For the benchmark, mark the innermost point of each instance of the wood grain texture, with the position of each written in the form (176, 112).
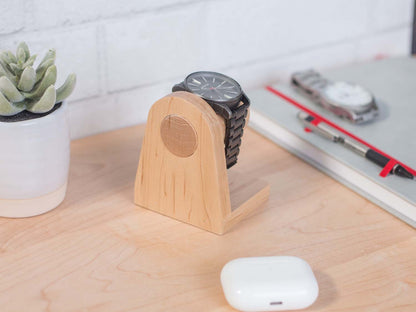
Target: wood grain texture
(99, 252)
(182, 169)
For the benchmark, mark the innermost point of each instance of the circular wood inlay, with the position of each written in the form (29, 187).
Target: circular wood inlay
(178, 135)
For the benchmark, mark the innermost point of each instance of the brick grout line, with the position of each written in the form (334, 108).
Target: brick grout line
(263, 60)
(351, 40)
(123, 16)
(102, 73)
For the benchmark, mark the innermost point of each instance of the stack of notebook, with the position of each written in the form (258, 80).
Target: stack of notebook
(393, 82)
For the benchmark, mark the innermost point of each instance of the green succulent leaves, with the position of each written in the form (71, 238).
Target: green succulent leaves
(47, 80)
(9, 90)
(66, 89)
(47, 61)
(24, 88)
(45, 103)
(9, 109)
(27, 79)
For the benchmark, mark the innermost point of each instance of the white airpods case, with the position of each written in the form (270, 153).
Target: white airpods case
(269, 283)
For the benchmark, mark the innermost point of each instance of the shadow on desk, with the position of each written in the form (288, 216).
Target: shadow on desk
(327, 291)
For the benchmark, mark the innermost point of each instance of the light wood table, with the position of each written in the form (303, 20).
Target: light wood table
(100, 252)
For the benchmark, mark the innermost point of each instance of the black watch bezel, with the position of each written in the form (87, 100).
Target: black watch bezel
(222, 108)
(231, 102)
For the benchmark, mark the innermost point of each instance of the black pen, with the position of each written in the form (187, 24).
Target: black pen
(351, 144)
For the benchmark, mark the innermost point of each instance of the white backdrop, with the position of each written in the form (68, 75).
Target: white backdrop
(128, 53)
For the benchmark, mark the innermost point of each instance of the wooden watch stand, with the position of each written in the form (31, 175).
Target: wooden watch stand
(182, 170)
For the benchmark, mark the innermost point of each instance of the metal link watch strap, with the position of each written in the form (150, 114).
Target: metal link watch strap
(310, 82)
(234, 132)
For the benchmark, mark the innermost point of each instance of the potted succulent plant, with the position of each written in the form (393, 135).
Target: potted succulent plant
(34, 134)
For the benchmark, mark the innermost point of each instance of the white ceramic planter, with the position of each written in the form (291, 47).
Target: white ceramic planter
(34, 164)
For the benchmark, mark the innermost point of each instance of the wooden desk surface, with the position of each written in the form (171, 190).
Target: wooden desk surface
(100, 252)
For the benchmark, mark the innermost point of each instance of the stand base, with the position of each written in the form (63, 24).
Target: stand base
(21, 208)
(246, 194)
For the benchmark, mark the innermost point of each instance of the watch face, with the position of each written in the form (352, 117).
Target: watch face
(347, 94)
(214, 86)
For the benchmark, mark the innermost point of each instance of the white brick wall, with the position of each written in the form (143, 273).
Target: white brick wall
(128, 53)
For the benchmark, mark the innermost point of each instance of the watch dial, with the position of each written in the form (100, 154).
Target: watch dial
(347, 94)
(213, 86)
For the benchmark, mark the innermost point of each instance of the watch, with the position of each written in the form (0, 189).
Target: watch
(228, 100)
(346, 100)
